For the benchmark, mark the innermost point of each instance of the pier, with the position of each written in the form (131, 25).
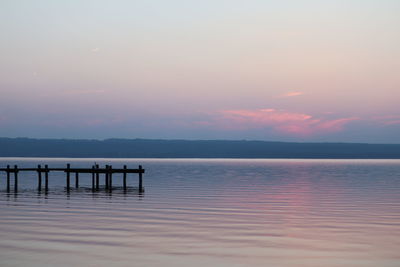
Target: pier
(95, 170)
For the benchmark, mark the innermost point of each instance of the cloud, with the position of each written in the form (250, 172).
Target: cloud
(392, 122)
(290, 123)
(95, 50)
(292, 94)
(2, 118)
(84, 91)
(387, 119)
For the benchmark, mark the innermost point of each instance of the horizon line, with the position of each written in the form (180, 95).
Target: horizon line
(194, 140)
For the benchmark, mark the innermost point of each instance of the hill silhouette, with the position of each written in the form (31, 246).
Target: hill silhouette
(150, 148)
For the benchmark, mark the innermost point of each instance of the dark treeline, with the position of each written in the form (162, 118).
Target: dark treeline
(147, 148)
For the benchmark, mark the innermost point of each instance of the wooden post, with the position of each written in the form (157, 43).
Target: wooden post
(46, 178)
(15, 178)
(140, 178)
(106, 176)
(76, 179)
(8, 178)
(97, 178)
(68, 174)
(124, 177)
(93, 178)
(39, 170)
(110, 176)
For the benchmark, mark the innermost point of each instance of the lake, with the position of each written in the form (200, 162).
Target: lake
(207, 212)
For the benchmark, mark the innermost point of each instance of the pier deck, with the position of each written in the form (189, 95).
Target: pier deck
(95, 170)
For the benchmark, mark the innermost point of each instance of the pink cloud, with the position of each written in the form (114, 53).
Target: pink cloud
(84, 92)
(291, 94)
(2, 118)
(387, 119)
(291, 123)
(107, 121)
(392, 122)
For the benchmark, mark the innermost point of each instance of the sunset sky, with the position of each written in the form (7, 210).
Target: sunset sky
(285, 70)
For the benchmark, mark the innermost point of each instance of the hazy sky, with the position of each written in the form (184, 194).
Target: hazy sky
(300, 70)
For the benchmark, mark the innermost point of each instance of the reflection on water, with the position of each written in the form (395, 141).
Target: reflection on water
(215, 212)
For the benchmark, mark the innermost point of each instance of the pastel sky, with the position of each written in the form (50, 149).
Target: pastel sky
(286, 70)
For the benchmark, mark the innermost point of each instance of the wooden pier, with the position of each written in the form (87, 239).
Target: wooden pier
(95, 170)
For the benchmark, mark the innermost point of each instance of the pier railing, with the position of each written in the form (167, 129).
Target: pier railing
(95, 170)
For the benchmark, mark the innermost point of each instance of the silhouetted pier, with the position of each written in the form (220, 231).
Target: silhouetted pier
(95, 170)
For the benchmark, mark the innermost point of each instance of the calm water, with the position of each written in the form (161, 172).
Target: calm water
(209, 213)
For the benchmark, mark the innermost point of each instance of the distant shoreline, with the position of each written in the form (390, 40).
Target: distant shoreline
(192, 149)
(198, 159)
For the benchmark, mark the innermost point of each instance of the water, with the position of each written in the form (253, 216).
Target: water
(208, 213)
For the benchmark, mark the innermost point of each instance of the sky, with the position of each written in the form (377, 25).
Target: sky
(279, 70)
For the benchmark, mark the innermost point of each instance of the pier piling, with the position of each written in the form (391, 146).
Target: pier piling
(15, 178)
(46, 178)
(110, 176)
(68, 176)
(93, 178)
(124, 178)
(106, 177)
(140, 178)
(8, 178)
(77, 180)
(39, 170)
(97, 177)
